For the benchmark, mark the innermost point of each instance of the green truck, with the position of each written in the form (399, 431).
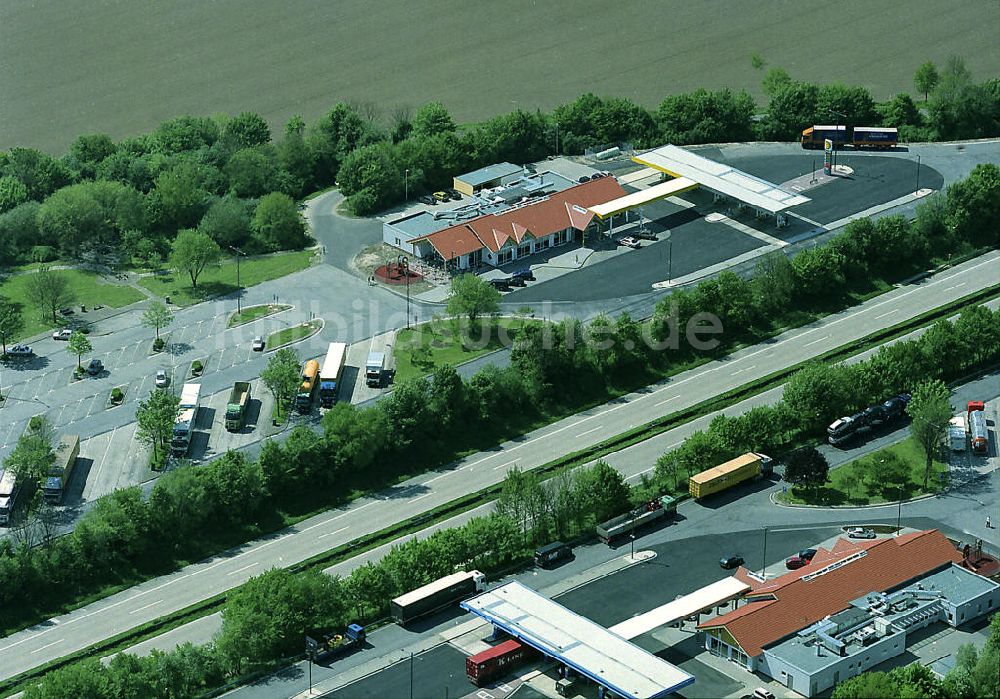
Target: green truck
(236, 408)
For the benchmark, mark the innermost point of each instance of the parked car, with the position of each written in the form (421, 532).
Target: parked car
(645, 235)
(860, 533)
(795, 562)
(731, 562)
(94, 367)
(257, 345)
(583, 178)
(440, 196)
(426, 199)
(629, 242)
(63, 334)
(162, 380)
(525, 274)
(517, 281)
(19, 351)
(455, 194)
(500, 284)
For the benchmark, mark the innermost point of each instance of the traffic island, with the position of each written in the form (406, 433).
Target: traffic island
(252, 313)
(117, 396)
(291, 335)
(197, 369)
(158, 345)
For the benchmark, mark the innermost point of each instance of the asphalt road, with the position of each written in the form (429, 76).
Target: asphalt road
(154, 598)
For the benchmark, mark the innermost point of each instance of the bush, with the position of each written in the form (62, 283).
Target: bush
(158, 344)
(43, 253)
(197, 367)
(117, 395)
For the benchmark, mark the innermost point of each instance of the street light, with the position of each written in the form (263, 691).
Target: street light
(239, 287)
(406, 185)
(918, 176)
(763, 563)
(403, 263)
(631, 554)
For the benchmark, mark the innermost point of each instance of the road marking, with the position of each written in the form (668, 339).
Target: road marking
(509, 463)
(640, 473)
(151, 604)
(664, 402)
(214, 565)
(956, 286)
(342, 529)
(105, 457)
(887, 313)
(240, 570)
(740, 371)
(39, 650)
(437, 478)
(421, 497)
(825, 337)
(588, 431)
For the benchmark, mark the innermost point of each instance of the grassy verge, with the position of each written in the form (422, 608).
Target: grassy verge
(295, 333)
(221, 280)
(472, 500)
(422, 349)
(87, 288)
(252, 313)
(852, 484)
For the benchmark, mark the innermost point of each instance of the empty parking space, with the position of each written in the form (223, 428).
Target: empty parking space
(114, 459)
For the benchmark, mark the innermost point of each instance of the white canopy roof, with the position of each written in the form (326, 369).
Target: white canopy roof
(709, 596)
(644, 196)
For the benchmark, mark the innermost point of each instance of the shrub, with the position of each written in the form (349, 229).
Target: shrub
(117, 395)
(158, 344)
(197, 367)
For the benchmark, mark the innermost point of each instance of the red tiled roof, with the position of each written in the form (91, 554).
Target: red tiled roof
(565, 209)
(779, 607)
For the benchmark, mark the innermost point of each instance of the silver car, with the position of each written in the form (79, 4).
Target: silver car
(162, 380)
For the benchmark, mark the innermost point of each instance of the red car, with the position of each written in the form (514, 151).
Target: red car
(800, 559)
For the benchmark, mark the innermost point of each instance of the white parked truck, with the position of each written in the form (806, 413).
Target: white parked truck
(957, 433)
(186, 419)
(374, 366)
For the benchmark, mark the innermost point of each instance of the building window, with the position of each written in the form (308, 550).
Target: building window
(505, 256)
(524, 250)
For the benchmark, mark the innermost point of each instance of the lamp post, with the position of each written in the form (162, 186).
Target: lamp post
(844, 117)
(763, 563)
(406, 185)
(899, 509)
(557, 138)
(631, 553)
(239, 288)
(918, 176)
(403, 263)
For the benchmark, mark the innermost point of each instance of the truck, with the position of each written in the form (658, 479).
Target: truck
(958, 433)
(325, 647)
(374, 366)
(62, 468)
(749, 466)
(10, 490)
(879, 137)
(636, 519)
(187, 416)
(493, 663)
(842, 430)
(236, 406)
(436, 595)
(331, 373)
(304, 398)
(979, 438)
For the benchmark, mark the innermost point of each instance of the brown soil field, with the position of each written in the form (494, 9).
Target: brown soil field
(69, 67)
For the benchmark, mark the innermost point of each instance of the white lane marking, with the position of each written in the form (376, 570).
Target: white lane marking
(955, 286)
(509, 463)
(664, 402)
(151, 604)
(214, 565)
(240, 570)
(825, 337)
(437, 478)
(594, 429)
(421, 497)
(39, 650)
(342, 529)
(887, 313)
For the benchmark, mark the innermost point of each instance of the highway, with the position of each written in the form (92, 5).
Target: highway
(154, 598)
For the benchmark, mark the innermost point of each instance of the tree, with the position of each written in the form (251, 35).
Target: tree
(931, 411)
(157, 316)
(472, 296)
(774, 80)
(11, 322)
(773, 285)
(432, 119)
(155, 418)
(32, 457)
(79, 345)
(192, 252)
(806, 467)
(247, 130)
(277, 224)
(282, 377)
(227, 222)
(252, 172)
(13, 193)
(49, 289)
(887, 474)
(926, 78)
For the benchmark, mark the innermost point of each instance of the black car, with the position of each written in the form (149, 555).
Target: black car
(95, 367)
(427, 199)
(517, 281)
(525, 274)
(583, 178)
(731, 562)
(454, 194)
(500, 284)
(807, 554)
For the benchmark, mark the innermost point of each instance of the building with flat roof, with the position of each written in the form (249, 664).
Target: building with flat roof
(850, 609)
(486, 177)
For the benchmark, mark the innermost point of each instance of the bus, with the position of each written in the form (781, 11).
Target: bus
(330, 374)
(304, 398)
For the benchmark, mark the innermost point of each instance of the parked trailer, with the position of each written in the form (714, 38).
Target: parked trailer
(718, 478)
(436, 595)
(492, 664)
(187, 416)
(325, 647)
(304, 398)
(958, 433)
(858, 137)
(61, 469)
(636, 519)
(236, 408)
(979, 438)
(10, 489)
(331, 373)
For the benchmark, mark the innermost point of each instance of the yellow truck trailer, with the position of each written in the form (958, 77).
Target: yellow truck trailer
(718, 478)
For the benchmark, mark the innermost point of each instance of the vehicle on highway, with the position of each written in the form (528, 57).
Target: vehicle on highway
(730, 562)
(860, 533)
(440, 196)
(749, 466)
(257, 344)
(63, 334)
(95, 367)
(630, 242)
(426, 199)
(161, 380)
(20, 351)
(436, 595)
(525, 274)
